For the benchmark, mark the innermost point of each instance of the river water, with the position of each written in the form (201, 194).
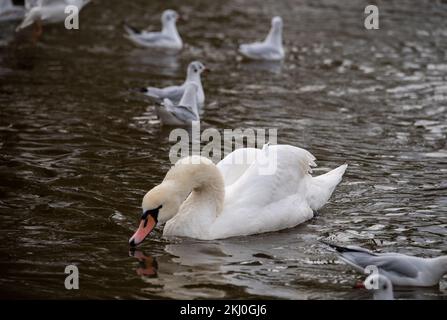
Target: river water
(79, 147)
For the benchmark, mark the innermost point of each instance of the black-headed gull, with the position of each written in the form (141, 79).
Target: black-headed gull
(380, 285)
(9, 11)
(270, 49)
(183, 113)
(167, 38)
(400, 269)
(175, 93)
(48, 11)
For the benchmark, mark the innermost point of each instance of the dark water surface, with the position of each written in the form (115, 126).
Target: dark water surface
(79, 148)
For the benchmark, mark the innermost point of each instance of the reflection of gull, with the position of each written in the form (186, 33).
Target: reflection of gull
(183, 113)
(270, 49)
(8, 11)
(380, 285)
(175, 93)
(402, 270)
(168, 38)
(49, 11)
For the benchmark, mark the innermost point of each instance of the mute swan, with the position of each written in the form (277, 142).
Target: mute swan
(269, 191)
(168, 38)
(401, 269)
(175, 93)
(270, 49)
(182, 114)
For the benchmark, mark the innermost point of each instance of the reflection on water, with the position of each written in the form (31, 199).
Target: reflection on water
(80, 146)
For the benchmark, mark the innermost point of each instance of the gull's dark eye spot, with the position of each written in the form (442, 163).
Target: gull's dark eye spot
(385, 287)
(195, 70)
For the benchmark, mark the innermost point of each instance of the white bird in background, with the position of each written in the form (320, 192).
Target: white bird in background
(44, 12)
(168, 38)
(270, 49)
(380, 285)
(183, 113)
(400, 269)
(9, 11)
(175, 93)
(250, 191)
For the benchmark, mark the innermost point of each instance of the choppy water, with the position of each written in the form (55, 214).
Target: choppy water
(79, 148)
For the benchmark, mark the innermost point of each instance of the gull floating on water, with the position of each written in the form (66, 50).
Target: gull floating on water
(175, 93)
(400, 269)
(48, 11)
(183, 113)
(167, 38)
(380, 285)
(270, 49)
(8, 11)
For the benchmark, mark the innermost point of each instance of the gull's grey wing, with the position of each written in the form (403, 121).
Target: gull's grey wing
(154, 37)
(173, 93)
(397, 265)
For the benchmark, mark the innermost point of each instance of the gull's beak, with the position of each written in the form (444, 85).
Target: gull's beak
(359, 285)
(146, 226)
(206, 70)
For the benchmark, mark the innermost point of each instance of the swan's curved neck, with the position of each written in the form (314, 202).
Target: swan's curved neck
(199, 177)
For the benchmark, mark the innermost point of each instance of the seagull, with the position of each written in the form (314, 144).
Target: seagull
(183, 113)
(9, 12)
(168, 38)
(270, 49)
(381, 286)
(175, 93)
(400, 269)
(48, 11)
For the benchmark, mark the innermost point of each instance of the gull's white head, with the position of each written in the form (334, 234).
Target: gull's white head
(194, 71)
(277, 22)
(381, 286)
(169, 17)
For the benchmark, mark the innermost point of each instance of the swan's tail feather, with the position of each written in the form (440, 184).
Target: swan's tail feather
(322, 187)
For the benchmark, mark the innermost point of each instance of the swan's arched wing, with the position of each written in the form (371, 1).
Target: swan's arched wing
(234, 165)
(283, 171)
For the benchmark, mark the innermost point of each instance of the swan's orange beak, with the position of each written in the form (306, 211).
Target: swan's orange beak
(145, 227)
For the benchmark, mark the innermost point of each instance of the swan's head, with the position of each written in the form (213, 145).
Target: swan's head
(381, 286)
(159, 205)
(195, 69)
(169, 17)
(277, 22)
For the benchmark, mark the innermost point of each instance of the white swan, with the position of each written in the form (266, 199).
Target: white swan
(167, 38)
(184, 113)
(270, 49)
(175, 93)
(269, 191)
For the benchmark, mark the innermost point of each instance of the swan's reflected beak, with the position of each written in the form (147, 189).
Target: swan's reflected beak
(145, 227)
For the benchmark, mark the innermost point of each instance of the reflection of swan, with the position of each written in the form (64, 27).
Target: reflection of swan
(270, 49)
(168, 38)
(250, 191)
(147, 264)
